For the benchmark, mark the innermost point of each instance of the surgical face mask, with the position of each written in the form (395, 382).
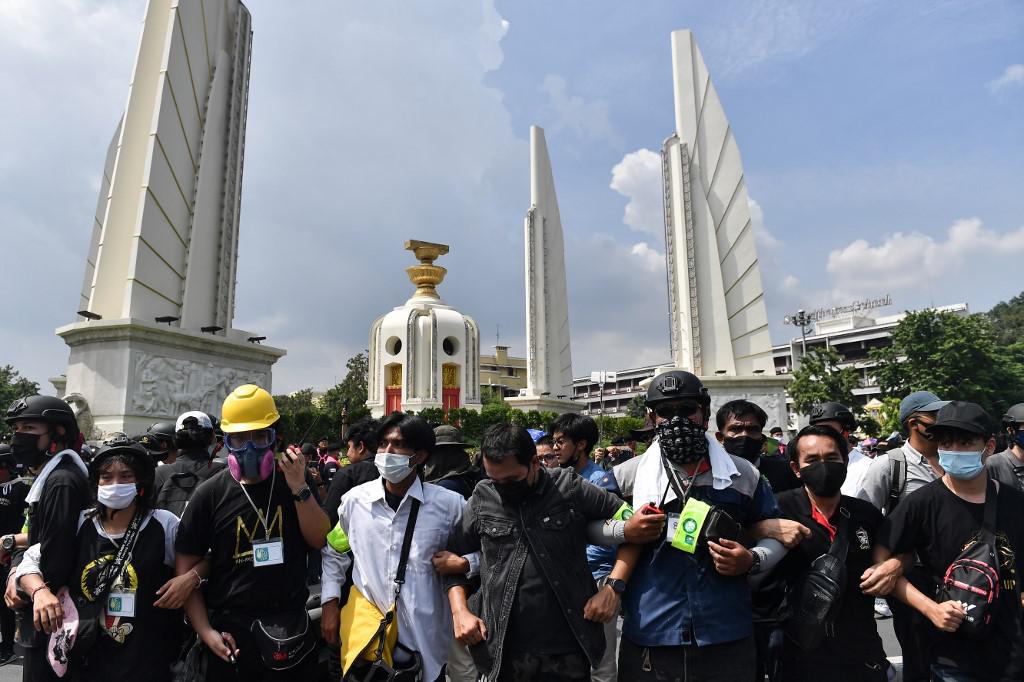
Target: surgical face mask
(746, 447)
(392, 466)
(26, 449)
(962, 466)
(682, 441)
(824, 479)
(513, 493)
(251, 463)
(116, 495)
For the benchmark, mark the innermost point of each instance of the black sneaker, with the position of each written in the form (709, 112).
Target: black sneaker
(7, 656)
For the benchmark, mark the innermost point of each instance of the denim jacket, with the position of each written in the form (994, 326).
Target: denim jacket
(551, 522)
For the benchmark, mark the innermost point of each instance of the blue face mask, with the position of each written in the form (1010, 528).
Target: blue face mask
(1019, 439)
(962, 466)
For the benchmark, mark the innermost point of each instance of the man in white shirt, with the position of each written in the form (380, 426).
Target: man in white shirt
(372, 519)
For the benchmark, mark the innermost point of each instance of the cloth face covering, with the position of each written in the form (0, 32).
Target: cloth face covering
(746, 447)
(681, 440)
(824, 478)
(25, 447)
(514, 492)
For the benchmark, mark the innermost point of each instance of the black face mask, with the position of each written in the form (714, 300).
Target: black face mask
(681, 440)
(571, 464)
(746, 447)
(824, 478)
(25, 448)
(513, 493)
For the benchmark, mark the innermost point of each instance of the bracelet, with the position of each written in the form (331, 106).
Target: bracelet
(199, 578)
(32, 596)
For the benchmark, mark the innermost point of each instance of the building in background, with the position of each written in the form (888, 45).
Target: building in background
(501, 374)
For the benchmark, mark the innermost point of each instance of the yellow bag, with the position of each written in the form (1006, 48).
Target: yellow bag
(361, 624)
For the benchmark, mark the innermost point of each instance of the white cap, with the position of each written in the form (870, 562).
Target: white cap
(201, 417)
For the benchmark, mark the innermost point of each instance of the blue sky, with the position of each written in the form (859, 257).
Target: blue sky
(882, 145)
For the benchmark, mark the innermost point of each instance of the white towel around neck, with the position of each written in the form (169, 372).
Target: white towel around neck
(651, 479)
(36, 491)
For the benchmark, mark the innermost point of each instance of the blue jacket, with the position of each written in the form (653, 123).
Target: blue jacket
(676, 598)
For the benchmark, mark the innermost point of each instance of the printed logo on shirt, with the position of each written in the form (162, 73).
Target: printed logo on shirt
(244, 536)
(122, 592)
(862, 538)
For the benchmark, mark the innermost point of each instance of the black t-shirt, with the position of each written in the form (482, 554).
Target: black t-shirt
(53, 519)
(536, 624)
(856, 639)
(12, 506)
(779, 474)
(175, 483)
(346, 479)
(220, 519)
(142, 646)
(937, 524)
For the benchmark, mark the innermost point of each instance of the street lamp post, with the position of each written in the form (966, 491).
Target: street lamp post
(804, 321)
(600, 378)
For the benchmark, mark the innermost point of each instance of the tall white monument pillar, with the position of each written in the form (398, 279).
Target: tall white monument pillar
(549, 356)
(719, 324)
(154, 336)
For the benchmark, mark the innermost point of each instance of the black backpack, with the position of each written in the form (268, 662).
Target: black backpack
(179, 487)
(973, 578)
(814, 602)
(897, 478)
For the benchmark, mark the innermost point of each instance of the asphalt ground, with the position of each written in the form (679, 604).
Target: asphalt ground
(12, 671)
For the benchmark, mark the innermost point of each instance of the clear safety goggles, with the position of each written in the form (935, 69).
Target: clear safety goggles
(259, 438)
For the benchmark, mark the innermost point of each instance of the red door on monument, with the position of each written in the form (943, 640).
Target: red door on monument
(449, 388)
(393, 390)
(449, 400)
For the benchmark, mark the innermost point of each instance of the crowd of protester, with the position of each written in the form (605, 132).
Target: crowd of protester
(702, 547)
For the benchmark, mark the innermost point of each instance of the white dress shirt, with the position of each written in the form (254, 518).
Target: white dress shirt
(375, 533)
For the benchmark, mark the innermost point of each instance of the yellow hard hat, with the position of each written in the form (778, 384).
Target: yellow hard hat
(247, 408)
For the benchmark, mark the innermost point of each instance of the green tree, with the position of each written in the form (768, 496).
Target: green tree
(351, 392)
(1007, 320)
(12, 387)
(955, 357)
(820, 379)
(637, 406)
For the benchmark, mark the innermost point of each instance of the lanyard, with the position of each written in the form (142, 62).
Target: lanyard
(270, 501)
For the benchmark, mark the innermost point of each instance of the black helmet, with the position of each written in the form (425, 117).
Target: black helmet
(122, 446)
(1014, 415)
(158, 438)
(827, 412)
(677, 384)
(45, 408)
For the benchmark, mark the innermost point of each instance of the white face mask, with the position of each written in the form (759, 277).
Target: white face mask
(392, 466)
(116, 495)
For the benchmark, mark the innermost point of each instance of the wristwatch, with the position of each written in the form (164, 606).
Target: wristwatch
(618, 586)
(7, 543)
(755, 566)
(304, 494)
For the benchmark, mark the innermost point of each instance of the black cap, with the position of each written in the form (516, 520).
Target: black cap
(964, 416)
(827, 412)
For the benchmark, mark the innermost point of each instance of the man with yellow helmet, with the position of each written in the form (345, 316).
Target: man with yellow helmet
(257, 520)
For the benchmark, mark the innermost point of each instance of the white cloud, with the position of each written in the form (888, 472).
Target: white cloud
(1013, 77)
(651, 260)
(903, 260)
(638, 177)
(587, 119)
(766, 241)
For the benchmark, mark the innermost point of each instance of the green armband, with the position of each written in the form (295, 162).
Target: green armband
(338, 539)
(625, 511)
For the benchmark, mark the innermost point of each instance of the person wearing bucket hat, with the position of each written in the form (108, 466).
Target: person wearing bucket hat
(255, 521)
(962, 521)
(124, 591)
(889, 480)
(449, 465)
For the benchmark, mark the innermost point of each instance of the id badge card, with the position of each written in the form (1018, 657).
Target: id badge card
(121, 604)
(683, 530)
(267, 552)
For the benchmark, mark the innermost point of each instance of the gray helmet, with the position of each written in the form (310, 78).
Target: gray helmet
(675, 385)
(1014, 415)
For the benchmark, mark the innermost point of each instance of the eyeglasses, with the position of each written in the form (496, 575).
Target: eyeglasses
(560, 442)
(259, 438)
(547, 458)
(683, 409)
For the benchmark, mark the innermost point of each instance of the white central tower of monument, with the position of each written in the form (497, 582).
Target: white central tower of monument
(157, 302)
(719, 323)
(424, 354)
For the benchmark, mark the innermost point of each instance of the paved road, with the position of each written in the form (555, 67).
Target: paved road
(12, 672)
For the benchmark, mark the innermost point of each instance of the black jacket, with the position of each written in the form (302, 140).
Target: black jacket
(551, 523)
